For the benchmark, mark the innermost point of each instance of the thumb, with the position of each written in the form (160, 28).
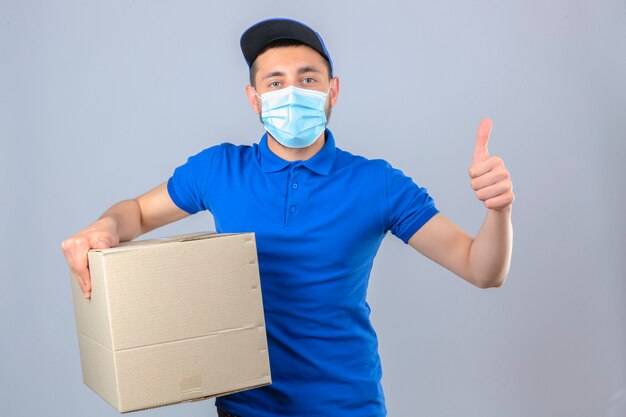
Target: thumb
(102, 244)
(482, 137)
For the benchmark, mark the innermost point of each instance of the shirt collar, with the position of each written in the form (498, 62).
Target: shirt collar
(320, 163)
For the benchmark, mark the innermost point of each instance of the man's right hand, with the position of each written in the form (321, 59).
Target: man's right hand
(124, 221)
(100, 235)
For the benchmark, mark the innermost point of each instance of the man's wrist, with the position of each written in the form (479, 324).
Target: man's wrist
(505, 211)
(107, 221)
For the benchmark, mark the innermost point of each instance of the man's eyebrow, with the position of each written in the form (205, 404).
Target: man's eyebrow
(274, 74)
(308, 69)
(302, 70)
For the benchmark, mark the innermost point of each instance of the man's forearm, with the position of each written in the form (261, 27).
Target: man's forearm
(490, 253)
(123, 219)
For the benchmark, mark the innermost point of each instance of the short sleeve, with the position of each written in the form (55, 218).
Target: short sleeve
(187, 186)
(409, 206)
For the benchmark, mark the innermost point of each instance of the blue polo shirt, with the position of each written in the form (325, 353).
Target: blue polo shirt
(318, 226)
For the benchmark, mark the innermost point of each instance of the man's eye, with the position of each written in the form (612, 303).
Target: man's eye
(308, 80)
(274, 84)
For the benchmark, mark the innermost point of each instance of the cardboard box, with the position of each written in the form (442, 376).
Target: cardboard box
(172, 320)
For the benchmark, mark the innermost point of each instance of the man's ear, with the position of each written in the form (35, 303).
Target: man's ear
(253, 99)
(334, 91)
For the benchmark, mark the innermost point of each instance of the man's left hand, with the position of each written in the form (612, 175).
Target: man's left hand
(489, 177)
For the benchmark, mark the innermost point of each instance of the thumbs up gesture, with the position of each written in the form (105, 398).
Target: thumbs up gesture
(489, 177)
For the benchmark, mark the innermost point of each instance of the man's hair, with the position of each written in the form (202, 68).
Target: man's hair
(282, 43)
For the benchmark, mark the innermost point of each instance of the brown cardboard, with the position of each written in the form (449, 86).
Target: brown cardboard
(172, 320)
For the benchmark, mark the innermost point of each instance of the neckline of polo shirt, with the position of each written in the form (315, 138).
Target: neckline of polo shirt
(270, 162)
(320, 163)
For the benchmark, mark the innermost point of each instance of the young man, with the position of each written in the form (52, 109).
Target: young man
(319, 214)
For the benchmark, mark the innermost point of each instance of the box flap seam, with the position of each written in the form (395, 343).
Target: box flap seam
(215, 333)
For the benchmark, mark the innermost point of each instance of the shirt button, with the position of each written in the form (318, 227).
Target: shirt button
(292, 209)
(294, 185)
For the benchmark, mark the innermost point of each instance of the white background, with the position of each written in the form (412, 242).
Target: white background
(101, 100)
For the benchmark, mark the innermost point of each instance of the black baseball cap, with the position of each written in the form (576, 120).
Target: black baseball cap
(260, 34)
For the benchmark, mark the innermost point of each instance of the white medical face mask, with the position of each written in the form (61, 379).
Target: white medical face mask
(294, 116)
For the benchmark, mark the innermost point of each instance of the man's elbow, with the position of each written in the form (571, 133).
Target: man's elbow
(495, 282)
